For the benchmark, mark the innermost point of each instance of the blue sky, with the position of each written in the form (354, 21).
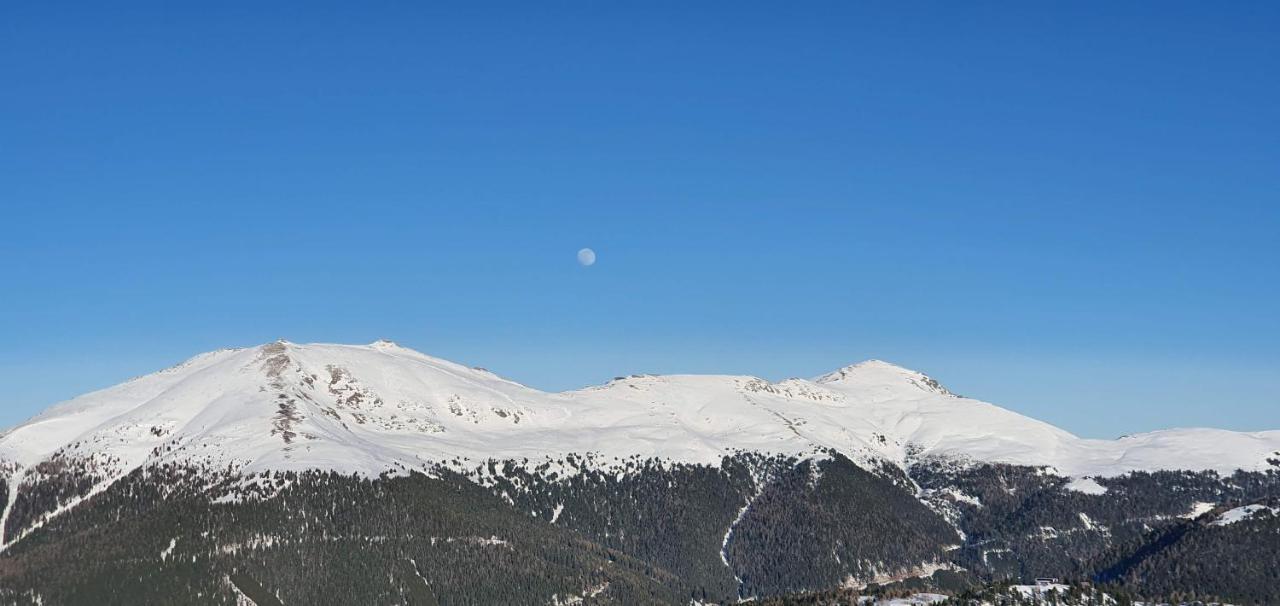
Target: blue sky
(1072, 211)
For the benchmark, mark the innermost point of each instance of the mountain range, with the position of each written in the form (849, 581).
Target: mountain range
(648, 488)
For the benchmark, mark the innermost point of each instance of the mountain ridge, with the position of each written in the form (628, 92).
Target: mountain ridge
(394, 407)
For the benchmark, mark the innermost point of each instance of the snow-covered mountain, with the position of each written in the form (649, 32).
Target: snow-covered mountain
(253, 474)
(382, 407)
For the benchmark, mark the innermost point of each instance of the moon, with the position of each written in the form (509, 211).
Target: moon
(586, 257)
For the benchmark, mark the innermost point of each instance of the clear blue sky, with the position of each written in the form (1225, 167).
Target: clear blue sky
(1070, 210)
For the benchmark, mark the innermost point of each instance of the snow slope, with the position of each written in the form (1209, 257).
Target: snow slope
(381, 407)
(1243, 513)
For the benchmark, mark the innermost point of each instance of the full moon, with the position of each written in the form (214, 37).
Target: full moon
(586, 257)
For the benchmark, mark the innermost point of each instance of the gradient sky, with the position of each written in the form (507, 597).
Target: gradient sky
(1072, 210)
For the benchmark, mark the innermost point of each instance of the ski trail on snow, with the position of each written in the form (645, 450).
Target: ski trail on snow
(8, 508)
(728, 535)
(61, 509)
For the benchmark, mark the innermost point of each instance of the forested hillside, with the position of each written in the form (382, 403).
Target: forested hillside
(646, 532)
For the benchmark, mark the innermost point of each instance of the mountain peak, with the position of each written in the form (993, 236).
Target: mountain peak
(862, 367)
(879, 372)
